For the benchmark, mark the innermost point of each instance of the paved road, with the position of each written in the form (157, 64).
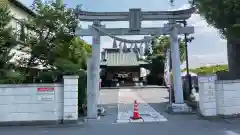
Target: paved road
(176, 124)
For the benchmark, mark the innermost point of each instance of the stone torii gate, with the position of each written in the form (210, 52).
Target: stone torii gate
(135, 17)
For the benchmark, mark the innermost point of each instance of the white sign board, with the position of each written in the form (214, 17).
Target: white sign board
(45, 93)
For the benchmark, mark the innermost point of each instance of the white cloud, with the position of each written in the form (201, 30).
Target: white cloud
(208, 40)
(206, 60)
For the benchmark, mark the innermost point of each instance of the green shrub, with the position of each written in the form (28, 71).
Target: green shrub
(12, 77)
(82, 89)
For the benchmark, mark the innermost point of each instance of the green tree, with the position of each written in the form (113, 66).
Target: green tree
(74, 57)
(157, 57)
(7, 44)
(224, 15)
(162, 43)
(209, 69)
(52, 43)
(53, 27)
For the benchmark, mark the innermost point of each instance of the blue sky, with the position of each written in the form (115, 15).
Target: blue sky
(207, 48)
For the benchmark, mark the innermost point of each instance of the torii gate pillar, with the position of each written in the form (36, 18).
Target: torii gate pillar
(93, 76)
(177, 80)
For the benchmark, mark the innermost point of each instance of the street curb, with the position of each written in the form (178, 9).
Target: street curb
(134, 87)
(49, 124)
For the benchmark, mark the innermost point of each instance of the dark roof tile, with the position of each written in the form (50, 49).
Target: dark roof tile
(23, 7)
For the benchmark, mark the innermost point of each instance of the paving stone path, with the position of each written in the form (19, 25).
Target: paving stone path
(126, 98)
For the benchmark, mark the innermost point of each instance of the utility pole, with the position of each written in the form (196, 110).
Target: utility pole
(189, 78)
(187, 64)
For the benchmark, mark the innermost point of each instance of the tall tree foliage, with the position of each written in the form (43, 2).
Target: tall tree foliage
(54, 25)
(224, 15)
(162, 43)
(157, 58)
(52, 39)
(7, 44)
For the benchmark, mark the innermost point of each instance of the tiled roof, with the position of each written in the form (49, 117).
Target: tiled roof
(115, 57)
(22, 6)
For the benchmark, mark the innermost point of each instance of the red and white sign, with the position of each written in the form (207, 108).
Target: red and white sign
(43, 89)
(45, 93)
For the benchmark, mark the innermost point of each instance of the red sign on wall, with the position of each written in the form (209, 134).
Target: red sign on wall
(45, 89)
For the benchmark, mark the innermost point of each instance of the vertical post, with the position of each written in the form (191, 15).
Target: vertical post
(91, 93)
(96, 58)
(177, 80)
(70, 98)
(187, 64)
(93, 74)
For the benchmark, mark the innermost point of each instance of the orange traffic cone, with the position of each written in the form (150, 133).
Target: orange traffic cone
(136, 115)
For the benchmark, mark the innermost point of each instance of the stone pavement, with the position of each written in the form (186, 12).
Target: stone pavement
(126, 98)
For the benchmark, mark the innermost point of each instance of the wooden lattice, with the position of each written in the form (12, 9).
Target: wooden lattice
(3, 3)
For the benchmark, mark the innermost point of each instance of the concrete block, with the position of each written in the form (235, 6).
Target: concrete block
(180, 108)
(71, 95)
(21, 99)
(70, 88)
(45, 116)
(123, 121)
(209, 112)
(68, 102)
(231, 110)
(5, 91)
(231, 86)
(148, 119)
(206, 99)
(159, 119)
(218, 85)
(6, 109)
(69, 109)
(231, 93)
(132, 121)
(70, 116)
(209, 105)
(230, 102)
(20, 116)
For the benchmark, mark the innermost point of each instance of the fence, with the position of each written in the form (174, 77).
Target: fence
(218, 97)
(39, 103)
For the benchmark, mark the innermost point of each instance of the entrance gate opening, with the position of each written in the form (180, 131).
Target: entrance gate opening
(134, 17)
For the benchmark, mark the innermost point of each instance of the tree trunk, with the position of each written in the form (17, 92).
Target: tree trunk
(233, 50)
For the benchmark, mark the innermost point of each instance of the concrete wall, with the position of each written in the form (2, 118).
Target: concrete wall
(218, 97)
(39, 102)
(207, 95)
(228, 97)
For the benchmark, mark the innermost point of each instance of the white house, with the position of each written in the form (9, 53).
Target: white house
(19, 12)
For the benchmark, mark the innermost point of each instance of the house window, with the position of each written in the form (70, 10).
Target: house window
(19, 29)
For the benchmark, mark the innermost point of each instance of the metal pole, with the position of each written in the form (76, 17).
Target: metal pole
(187, 65)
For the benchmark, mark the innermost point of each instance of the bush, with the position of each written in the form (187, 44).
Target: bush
(11, 77)
(82, 89)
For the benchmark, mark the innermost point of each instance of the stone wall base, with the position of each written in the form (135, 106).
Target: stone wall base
(218, 117)
(39, 123)
(179, 109)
